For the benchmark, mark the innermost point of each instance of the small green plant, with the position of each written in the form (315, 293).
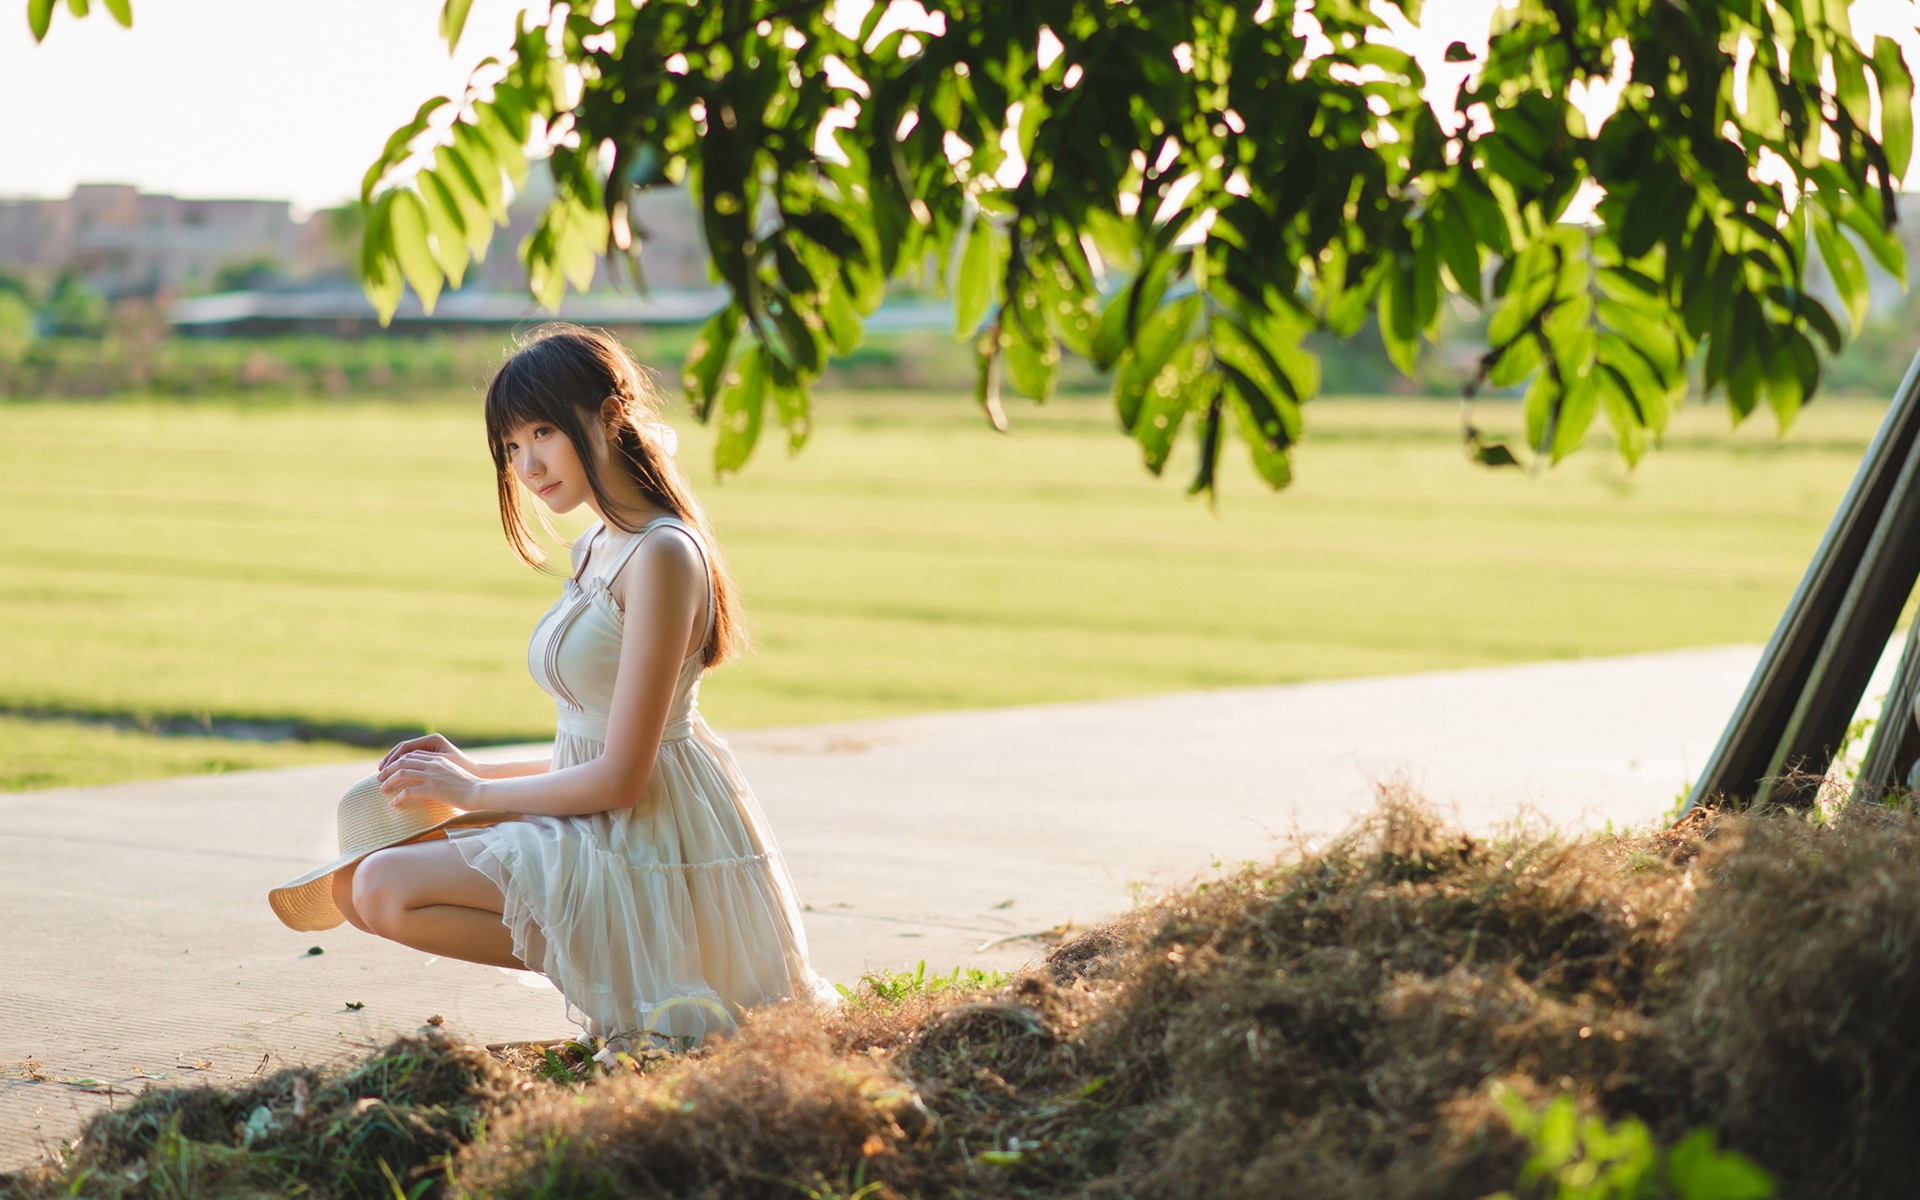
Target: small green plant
(567, 1062)
(1678, 806)
(849, 1188)
(1585, 1158)
(895, 986)
(1845, 762)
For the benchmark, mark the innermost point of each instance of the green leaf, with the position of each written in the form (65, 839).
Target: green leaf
(1896, 104)
(1073, 313)
(1447, 224)
(1516, 361)
(1556, 1137)
(742, 406)
(978, 284)
(1814, 313)
(1426, 287)
(1763, 102)
(706, 359)
(1866, 222)
(795, 407)
(1262, 426)
(478, 168)
(1206, 472)
(453, 21)
(1494, 454)
(395, 151)
(39, 18)
(379, 273)
(794, 274)
(1745, 376)
(1158, 337)
(466, 192)
(1278, 339)
(447, 225)
(1850, 82)
(1482, 213)
(1033, 363)
(802, 340)
(506, 141)
(1629, 433)
(410, 248)
(1399, 313)
(122, 12)
(1700, 1171)
(1530, 290)
(844, 326)
(1126, 313)
(1180, 384)
(1844, 265)
(78, 8)
(1557, 416)
(563, 248)
(1577, 411)
(1792, 372)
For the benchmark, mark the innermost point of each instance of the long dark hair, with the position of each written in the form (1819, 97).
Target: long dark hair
(562, 375)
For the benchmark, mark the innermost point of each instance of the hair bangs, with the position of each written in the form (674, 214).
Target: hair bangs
(520, 394)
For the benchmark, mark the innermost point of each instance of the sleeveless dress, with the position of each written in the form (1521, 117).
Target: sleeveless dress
(669, 916)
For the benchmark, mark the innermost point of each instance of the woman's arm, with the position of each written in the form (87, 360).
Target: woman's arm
(517, 769)
(436, 743)
(662, 591)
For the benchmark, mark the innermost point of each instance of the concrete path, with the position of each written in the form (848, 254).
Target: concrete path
(137, 943)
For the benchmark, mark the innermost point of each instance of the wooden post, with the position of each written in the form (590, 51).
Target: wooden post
(1895, 744)
(1813, 672)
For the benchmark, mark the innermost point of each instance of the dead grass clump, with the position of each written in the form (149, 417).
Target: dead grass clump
(1799, 993)
(1329, 1029)
(771, 1112)
(391, 1120)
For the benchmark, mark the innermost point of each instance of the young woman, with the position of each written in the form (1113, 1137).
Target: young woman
(641, 878)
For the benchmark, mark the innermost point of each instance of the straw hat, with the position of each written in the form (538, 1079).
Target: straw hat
(367, 821)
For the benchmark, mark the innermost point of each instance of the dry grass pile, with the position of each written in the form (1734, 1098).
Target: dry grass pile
(1338, 1025)
(391, 1123)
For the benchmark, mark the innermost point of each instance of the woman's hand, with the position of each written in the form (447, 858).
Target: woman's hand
(434, 743)
(420, 775)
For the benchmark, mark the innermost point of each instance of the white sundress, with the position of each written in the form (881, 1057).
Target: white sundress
(669, 916)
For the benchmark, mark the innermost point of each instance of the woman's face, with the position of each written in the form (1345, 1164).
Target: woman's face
(548, 465)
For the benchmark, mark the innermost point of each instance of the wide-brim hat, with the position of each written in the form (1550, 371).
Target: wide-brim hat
(367, 820)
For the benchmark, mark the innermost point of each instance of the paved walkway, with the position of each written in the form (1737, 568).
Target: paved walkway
(138, 944)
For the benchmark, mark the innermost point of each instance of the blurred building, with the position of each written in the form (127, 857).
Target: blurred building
(126, 242)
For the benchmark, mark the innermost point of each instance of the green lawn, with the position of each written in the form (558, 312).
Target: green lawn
(342, 562)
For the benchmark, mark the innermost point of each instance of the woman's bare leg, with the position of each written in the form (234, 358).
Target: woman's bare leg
(425, 896)
(343, 897)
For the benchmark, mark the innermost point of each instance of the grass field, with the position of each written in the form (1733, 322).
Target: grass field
(340, 562)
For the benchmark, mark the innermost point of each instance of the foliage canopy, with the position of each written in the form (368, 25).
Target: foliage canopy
(1182, 192)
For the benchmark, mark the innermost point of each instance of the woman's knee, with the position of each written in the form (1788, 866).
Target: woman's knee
(379, 893)
(343, 897)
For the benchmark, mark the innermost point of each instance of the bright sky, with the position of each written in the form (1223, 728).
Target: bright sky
(293, 98)
(225, 98)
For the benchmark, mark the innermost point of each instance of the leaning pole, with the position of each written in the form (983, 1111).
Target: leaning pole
(1794, 714)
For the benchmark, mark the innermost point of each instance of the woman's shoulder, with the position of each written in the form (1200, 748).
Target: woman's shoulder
(672, 545)
(664, 548)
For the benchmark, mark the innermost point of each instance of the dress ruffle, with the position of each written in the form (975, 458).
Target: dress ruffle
(669, 917)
